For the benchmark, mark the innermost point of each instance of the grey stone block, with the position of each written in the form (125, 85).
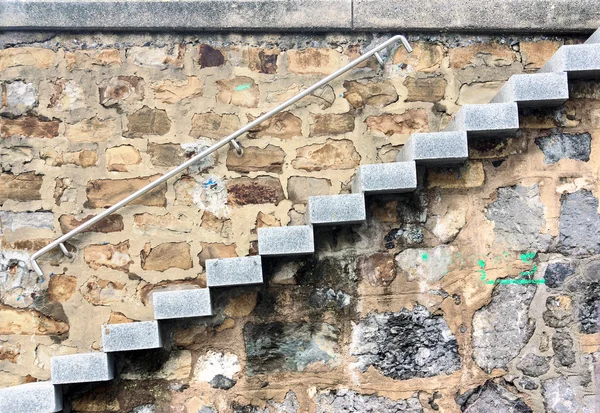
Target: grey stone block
(437, 148)
(224, 272)
(533, 90)
(476, 16)
(294, 240)
(82, 368)
(487, 120)
(336, 209)
(181, 14)
(182, 303)
(385, 178)
(594, 38)
(579, 61)
(131, 336)
(39, 397)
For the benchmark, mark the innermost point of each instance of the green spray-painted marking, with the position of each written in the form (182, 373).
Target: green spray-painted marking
(481, 263)
(425, 256)
(243, 87)
(528, 256)
(483, 273)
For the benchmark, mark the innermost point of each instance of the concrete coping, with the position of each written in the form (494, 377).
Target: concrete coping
(302, 15)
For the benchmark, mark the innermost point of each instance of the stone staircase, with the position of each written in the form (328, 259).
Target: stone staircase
(498, 118)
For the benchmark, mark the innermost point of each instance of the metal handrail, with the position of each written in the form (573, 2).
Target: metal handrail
(59, 242)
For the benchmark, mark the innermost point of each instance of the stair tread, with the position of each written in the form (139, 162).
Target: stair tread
(336, 209)
(391, 177)
(486, 120)
(291, 240)
(182, 303)
(38, 397)
(536, 89)
(435, 148)
(224, 272)
(82, 368)
(131, 336)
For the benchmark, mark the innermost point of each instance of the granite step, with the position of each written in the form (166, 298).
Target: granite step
(579, 61)
(82, 368)
(226, 272)
(131, 336)
(535, 90)
(486, 120)
(437, 148)
(182, 303)
(293, 240)
(336, 209)
(38, 397)
(385, 178)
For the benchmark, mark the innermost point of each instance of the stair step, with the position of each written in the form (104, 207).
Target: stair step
(82, 368)
(293, 240)
(336, 209)
(131, 336)
(534, 90)
(225, 272)
(38, 397)
(385, 178)
(594, 38)
(182, 303)
(487, 120)
(579, 61)
(438, 148)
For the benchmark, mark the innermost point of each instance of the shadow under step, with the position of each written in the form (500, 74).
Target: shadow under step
(293, 240)
(82, 368)
(436, 148)
(39, 397)
(140, 335)
(182, 303)
(226, 272)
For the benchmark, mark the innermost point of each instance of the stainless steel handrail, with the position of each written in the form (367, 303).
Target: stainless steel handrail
(231, 138)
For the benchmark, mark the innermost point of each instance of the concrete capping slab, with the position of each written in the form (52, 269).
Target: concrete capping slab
(563, 16)
(200, 15)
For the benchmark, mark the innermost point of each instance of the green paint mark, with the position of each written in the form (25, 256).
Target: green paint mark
(481, 263)
(425, 256)
(528, 257)
(243, 87)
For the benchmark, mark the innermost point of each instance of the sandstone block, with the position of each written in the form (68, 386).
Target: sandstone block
(259, 190)
(166, 255)
(29, 127)
(23, 187)
(331, 124)
(239, 91)
(147, 121)
(118, 89)
(212, 125)
(333, 154)
(313, 61)
(103, 193)
(119, 158)
(301, 187)
(269, 159)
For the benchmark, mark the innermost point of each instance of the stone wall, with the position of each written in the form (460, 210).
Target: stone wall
(479, 292)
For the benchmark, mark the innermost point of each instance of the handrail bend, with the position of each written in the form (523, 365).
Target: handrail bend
(59, 242)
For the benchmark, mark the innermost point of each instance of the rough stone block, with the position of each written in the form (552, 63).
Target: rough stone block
(386, 178)
(224, 272)
(336, 209)
(182, 303)
(131, 336)
(487, 120)
(538, 89)
(579, 61)
(294, 240)
(82, 368)
(439, 148)
(594, 38)
(39, 397)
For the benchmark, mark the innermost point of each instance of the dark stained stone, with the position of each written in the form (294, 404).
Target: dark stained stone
(557, 272)
(534, 365)
(209, 56)
(560, 145)
(147, 121)
(491, 398)
(349, 401)
(259, 190)
(222, 382)
(579, 224)
(562, 344)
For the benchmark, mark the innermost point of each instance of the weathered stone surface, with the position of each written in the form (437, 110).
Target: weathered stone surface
(68, 95)
(209, 57)
(165, 256)
(535, 54)
(279, 347)
(112, 223)
(378, 94)
(377, 269)
(430, 264)
(147, 121)
(91, 130)
(411, 121)
(239, 91)
(263, 60)
(19, 98)
(425, 89)
(103, 193)
(171, 222)
(29, 127)
(559, 396)
(488, 54)
(173, 91)
(518, 215)
(119, 89)
(557, 272)
(333, 154)
(212, 125)
(425, 57)
(528, 384)
(119, 158)
(104, 292)
(267, 159)
(502, 328)
(158, 57)
(215, 250)
(299, 188)
(405, 345)
(221, 382)
(344, 400)
(558, 311)
(313, 61)
(562, 345)
(560, 145)
(478, 93)
(534, 365)
(90, 59)
(259, 190)
(61, 288)
(579, 224)
(12, 221)
(213, 364)
(331, 124)
(492, 398)
(165, 154)
(23, 187)
(283, 125)
(469, 175)
(84, 158)
(26, 56)
(112, 256)
(29, 322)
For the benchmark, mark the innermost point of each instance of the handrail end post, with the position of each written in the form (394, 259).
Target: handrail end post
(36, 267)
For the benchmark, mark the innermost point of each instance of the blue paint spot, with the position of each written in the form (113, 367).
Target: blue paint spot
(243, 87)
(19, 297)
